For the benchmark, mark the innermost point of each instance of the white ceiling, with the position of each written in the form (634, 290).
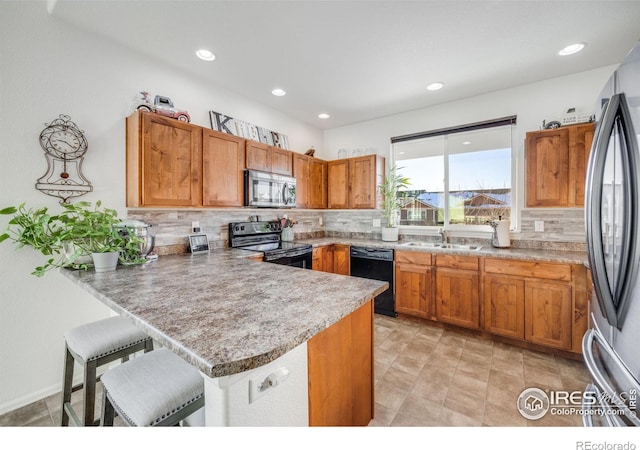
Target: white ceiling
(359, 60)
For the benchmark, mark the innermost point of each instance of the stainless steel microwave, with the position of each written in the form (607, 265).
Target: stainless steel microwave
(268, 190)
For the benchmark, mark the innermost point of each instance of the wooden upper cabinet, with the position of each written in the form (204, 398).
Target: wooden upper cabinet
(311, 181)
(281, 161)
(258, 156)
(338, 184)
(164, 161)
(556, 162)
(266, 158)
(317, 188)
(353, 182)
(365, 174)
(223, 161)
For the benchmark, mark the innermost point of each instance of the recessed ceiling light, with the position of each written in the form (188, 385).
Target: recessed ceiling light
(205, 55)
(466, 143)
(324, 116)
(571, 49)
(278, 92)
(435, 86)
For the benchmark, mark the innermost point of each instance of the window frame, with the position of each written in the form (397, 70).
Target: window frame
(467, 230)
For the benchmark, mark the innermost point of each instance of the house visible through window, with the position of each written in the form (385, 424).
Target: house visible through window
(459, 176)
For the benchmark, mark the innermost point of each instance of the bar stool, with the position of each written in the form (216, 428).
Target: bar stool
(93, 345)
(155, 389)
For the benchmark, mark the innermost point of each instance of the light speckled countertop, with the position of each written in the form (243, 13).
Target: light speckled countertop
(485, 251)
(224, 313)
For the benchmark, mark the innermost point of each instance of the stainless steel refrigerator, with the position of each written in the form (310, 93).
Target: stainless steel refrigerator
(611, 347)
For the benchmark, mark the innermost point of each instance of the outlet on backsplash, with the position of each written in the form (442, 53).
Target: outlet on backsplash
(376, 223)
(539, 226)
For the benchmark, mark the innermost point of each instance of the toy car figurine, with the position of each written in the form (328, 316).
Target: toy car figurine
(163, 106)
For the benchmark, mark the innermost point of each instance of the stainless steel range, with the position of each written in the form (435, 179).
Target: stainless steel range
(265, 237)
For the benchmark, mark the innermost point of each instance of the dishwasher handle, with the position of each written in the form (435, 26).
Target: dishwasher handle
(372, 253)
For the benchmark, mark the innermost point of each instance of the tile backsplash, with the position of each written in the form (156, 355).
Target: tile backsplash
(563, 228)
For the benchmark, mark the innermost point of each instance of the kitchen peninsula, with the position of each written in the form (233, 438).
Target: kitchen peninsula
(239, 321)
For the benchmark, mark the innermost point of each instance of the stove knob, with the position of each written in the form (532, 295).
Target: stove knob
(242, 227)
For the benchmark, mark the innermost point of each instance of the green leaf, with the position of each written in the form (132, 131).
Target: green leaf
(9, 210)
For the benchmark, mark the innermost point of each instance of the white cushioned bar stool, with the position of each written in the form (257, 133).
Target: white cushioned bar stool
(93, 345)
(155, 389)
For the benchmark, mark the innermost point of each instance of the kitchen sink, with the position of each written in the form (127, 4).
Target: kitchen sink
(461, 246)
(423, 244)
(443, 246)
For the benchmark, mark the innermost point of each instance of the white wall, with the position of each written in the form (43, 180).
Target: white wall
(532, 103)
(46, 69)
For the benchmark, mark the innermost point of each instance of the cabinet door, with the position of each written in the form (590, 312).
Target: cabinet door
(548, 313)
(317, 259)
(338, 184)
(504, 306)
(341, 259)
(171, 162)
(281, 161)
(223, 159)
(258, 156)
(580, 140)
(301, 172)
(414, 287)
(457, 300)
(317, 187)
(363, 182)
(547, 171)
(328, 258)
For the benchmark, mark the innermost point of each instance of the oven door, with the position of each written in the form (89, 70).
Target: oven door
(266, 190)
(303, 260)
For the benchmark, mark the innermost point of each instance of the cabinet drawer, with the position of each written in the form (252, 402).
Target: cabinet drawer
(420, 258)
(457, 262)
(535, 269)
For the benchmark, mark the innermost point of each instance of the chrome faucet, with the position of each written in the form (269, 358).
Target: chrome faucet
(443, 235)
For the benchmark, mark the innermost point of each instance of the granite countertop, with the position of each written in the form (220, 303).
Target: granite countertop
(224, 313)
(486, 251)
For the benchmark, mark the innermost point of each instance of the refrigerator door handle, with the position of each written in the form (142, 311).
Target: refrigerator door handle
(613, 299)
(601, 383)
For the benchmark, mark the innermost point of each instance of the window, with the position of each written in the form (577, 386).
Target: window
(459, 176)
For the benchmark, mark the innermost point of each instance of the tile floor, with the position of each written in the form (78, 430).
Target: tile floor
(425, 376)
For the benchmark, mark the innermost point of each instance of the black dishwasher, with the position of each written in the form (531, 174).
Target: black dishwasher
(376, 264)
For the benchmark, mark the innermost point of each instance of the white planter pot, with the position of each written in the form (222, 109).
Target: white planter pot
(105, 262)
(389, 234)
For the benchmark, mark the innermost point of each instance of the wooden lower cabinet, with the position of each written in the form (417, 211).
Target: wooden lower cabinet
(342, 259)
(334, 258)
(504, 306)
(340, 361)
(414, 284)
(548, 313)
(457, 297)
(542, 303)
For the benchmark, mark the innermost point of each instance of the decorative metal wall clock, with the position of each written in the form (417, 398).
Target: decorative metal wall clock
(64, 146)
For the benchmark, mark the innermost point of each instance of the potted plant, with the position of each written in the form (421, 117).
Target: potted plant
(81, 227)
(391, 203)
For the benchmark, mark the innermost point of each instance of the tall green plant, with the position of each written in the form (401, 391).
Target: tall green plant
(389, 188)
